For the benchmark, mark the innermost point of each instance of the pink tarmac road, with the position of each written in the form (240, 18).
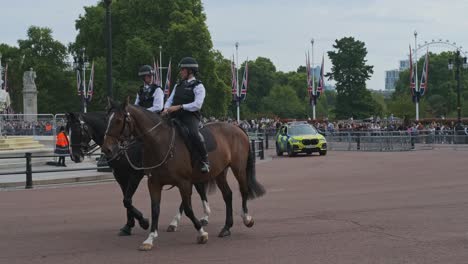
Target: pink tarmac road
(346, 207)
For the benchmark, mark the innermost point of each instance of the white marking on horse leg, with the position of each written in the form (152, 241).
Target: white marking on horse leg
(151, 237)
(246, 218)
(202, 232)
(175, 222)
(206, 210)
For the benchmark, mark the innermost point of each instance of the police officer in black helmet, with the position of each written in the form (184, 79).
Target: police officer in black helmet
(185, 103)
(150, 95)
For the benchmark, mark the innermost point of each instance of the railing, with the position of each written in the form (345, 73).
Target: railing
(29, 172)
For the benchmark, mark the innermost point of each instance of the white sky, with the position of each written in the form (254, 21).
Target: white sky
(282, 29)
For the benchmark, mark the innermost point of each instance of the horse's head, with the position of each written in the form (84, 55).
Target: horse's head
(80, 136)
(119, 128)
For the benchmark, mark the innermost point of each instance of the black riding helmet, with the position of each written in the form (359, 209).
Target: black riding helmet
(189, 63)
(145, 70)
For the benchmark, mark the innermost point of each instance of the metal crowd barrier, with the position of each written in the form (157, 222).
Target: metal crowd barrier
(29, 172)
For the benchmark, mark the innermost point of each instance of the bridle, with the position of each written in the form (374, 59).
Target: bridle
(84, 147)
(126, 142)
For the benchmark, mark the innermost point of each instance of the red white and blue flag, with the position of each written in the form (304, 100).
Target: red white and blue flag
(234, 80)
(5, 83)
(156, 77)
(310, 91)
(78, 82)
(412, 75)
(245, 80)
(91, 84)
(167, 86)
(321, 82)
(423, 84)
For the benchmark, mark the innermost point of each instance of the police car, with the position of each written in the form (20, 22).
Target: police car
(300, 137)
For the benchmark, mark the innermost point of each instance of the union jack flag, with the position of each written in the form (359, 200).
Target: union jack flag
(167, 87)
(156, 77)
(321, 83)
(245, 81)
(234, 80)
(423, 84)
(91, 84)
(412, 75)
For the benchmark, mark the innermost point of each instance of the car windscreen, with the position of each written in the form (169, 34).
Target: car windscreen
(302, 130)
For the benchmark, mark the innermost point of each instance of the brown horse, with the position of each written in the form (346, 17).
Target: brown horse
(167, 161)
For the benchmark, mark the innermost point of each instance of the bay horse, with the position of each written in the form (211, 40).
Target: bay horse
(84, 127)
(167, 161)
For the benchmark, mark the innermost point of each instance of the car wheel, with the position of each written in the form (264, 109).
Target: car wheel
(323, 152)
(290, 151)
(278, 150)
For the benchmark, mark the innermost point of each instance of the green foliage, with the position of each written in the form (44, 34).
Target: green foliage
(350, 72)
(139, 28)
(47, 58)
(441, 97)
(283, 101)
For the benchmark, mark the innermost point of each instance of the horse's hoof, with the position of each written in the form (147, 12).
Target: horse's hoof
(250, 223)
(224, 233)
(144, 224)
(145, 247)
(125, 231)
(171, 228)
(203, 222)
(202, 239)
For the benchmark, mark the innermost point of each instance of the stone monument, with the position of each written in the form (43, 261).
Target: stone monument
(29, 96)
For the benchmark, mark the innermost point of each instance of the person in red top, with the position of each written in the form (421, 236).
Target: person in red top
(61, 146)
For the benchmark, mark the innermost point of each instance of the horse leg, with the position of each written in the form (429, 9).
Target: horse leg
(185, 190)
(176, 220)
(223, 185)
(155, 194)
(126, 230)
(133, 182)
(241, 177)
(200, 187)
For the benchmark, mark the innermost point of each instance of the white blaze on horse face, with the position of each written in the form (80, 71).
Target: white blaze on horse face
(151, 237)
(109, 123)
(175, 222)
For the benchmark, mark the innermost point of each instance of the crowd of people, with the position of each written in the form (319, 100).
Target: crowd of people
(21, 127)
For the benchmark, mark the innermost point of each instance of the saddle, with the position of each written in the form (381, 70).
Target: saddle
(210, 142)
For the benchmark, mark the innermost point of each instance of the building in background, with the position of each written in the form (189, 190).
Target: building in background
(392, 76)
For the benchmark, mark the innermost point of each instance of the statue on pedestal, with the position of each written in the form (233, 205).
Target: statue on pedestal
(29, 95)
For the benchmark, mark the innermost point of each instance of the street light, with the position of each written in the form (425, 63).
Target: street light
(458, 62)
(109, 48)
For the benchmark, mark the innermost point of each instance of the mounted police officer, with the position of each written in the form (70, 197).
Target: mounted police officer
(185, 103)
(150, 95)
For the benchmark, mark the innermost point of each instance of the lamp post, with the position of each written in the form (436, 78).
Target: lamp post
(109, 48)
(416, 74)
(237, 83)
(458, 62)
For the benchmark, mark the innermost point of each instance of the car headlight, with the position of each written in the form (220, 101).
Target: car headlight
(293, 140)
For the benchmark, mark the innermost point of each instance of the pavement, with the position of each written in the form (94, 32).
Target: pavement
(346, 207)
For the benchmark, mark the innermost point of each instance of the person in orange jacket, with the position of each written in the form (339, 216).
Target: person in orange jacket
(61, 146)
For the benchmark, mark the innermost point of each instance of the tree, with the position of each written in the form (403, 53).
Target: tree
(283, 101)
(139, 28)
(54, 80)
(350, 72)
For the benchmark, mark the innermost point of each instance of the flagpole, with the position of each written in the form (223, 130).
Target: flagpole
(237, 83)
(313, 81)
(416, 73)
(160, 64)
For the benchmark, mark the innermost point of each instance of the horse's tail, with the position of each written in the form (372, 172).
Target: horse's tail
(255, 189)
